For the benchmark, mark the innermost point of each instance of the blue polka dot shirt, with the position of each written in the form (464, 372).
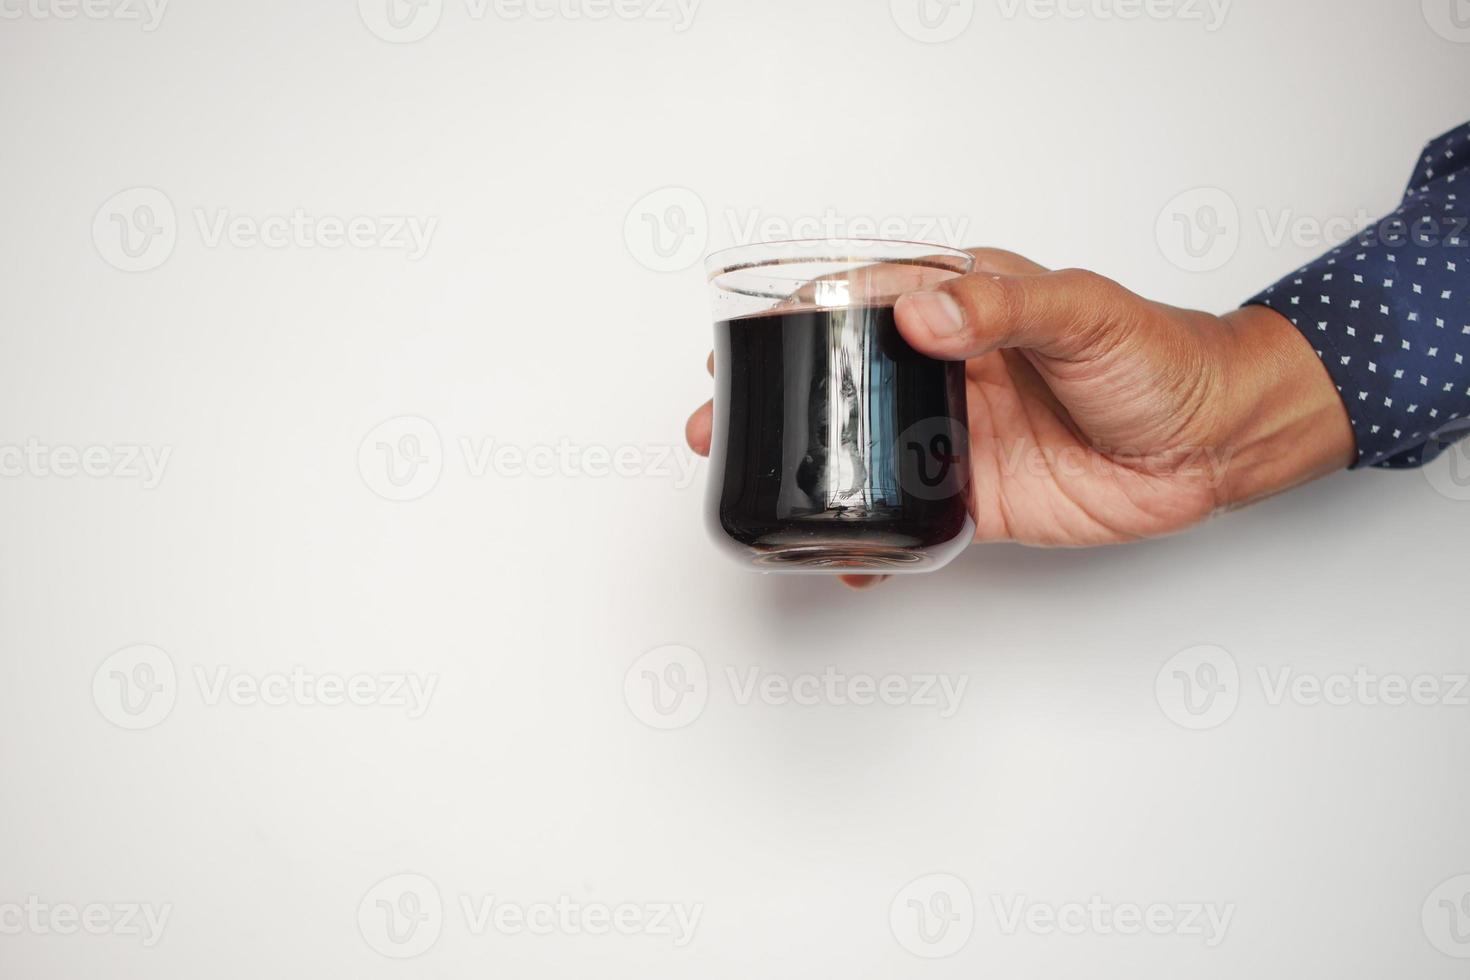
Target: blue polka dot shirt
(1389, 315)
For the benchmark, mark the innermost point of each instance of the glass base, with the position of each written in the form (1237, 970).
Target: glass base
(838, 559)
(877, 554)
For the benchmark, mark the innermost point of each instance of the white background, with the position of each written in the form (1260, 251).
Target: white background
(534, 320)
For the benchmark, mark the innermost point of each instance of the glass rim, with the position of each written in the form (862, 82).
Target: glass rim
(879, 251)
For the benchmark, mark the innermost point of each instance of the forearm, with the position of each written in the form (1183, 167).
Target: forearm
(1288, 424)
(1362, 352)
(1386, 313)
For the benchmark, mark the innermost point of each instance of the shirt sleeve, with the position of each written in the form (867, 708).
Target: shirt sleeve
(1389, 315)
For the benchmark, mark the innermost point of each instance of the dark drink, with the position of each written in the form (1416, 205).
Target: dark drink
(836, 445)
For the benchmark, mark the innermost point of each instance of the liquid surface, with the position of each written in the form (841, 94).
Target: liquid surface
(837, 446)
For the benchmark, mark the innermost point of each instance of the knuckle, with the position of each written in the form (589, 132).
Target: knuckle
(1004, 260)
(1102, 302)
(1096, 287)
(987, 256)
(987, 301)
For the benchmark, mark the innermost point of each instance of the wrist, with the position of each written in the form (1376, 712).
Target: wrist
(1288, 422)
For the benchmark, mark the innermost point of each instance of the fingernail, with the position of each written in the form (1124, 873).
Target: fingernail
(939, 313)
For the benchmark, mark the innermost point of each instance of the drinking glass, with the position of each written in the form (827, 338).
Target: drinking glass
(837, 448)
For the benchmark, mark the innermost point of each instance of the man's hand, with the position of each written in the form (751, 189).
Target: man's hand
(1097, 416)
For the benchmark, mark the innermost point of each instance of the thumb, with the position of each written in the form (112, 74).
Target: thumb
(1064, 315)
